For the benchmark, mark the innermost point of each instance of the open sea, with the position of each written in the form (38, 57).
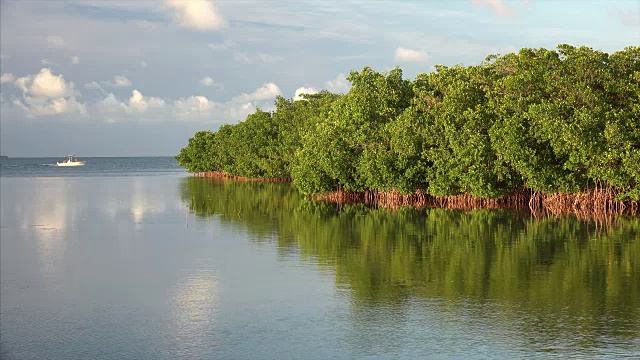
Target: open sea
(132, 258)
(95, 166)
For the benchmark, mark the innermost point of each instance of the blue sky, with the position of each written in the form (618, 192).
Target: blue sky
(136, 78)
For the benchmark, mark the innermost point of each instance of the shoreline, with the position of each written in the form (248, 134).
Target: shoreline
(224, 175)
(593, 203)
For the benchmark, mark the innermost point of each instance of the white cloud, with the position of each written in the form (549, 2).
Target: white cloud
(339, 85)
(118, 81)
(410, 55)
(6, 78)
(111, 101)
(227, 44)
(193, 107)
(267, 91)
(35, 108)
(55, 41)
(196, 14)
(138, 103)
(44, 84)
(94, 86)
(143, 64)
(303, 90)
(47, 94)
(244, 104)
(121, 81)
(246, 58)
(206, 81)
(498, 6)
(75, 60)
(45, 62)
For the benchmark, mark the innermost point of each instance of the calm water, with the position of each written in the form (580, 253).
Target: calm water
(157, 265)
(96, 166)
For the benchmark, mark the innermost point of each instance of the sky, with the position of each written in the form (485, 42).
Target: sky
(138, 78)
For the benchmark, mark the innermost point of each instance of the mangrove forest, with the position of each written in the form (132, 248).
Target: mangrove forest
(546, 128)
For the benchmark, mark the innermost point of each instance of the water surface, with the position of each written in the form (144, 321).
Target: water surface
(94, 166)
(157, 265)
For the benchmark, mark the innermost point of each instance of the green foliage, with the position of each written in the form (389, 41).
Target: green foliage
(196, 157)
(552, 121)
(350, 146)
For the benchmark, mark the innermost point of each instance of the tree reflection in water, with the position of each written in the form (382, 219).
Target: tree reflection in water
(556, 279)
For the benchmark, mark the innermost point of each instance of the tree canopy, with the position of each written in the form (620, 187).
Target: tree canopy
(553, 121)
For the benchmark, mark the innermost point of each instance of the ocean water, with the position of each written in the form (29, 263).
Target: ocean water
(94, 166)
(131, 258)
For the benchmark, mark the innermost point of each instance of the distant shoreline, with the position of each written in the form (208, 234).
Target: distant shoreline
(88, 157)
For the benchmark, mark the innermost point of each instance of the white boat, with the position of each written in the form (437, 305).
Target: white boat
(70, 161)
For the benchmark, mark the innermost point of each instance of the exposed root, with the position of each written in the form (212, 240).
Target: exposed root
(597, 204)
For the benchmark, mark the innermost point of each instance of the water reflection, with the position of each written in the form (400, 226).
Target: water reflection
(140, 198)
(194, 309)
(46, 212)
(556, 283)
(51, 212)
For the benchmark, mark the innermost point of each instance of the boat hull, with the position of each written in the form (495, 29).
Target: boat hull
(74, 163)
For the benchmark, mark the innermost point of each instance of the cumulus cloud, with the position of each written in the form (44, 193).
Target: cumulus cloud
(6, 78)
(267, 91)
(303, 90)
(47, 94)
(339, 85)
(199, 15)
(498, 6)
(121, 81)
(75, 60)
(55, 41)
(193, 107)
(44, 83)
(246, 58)
(115, 110)
(207, 81)
(139, 103)
(118, 81)
(410, 55)
(137, 108)
(95, 86)
(46, 62)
